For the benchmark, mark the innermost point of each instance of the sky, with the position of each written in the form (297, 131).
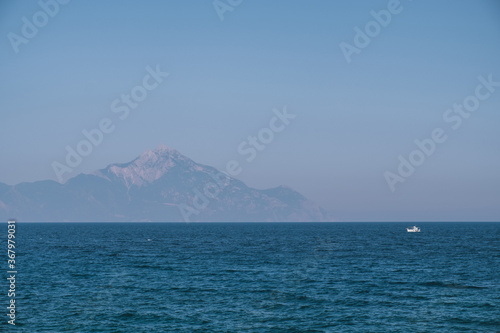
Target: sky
(361, 90)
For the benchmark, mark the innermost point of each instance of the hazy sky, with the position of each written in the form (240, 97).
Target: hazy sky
(353, 119)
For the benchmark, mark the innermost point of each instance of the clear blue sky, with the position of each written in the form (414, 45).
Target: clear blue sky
(353, 120)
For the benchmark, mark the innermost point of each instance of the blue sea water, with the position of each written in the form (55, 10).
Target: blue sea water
(262, 277)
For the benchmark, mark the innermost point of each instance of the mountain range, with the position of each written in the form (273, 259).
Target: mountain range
(160, 185)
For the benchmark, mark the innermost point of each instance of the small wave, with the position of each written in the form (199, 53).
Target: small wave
(450, 285)
(126, 315)
(145, 266)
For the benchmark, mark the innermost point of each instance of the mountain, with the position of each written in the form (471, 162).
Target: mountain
(159, 185)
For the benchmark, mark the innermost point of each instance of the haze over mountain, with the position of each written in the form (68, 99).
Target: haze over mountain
(159, 185)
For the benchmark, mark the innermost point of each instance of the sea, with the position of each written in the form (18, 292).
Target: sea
(255, 277)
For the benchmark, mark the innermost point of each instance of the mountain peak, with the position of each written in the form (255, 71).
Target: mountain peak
(163, 149)
(148, 167)
(159, 153)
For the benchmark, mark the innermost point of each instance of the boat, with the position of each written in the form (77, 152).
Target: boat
(414, 229)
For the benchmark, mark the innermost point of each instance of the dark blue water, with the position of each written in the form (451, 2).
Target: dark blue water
(329, 277)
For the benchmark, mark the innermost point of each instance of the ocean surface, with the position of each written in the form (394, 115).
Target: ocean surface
(262, 277)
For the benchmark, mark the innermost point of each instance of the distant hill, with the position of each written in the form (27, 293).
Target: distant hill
(159, 185)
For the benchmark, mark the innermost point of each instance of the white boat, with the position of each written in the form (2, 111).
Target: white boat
(414, 229)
